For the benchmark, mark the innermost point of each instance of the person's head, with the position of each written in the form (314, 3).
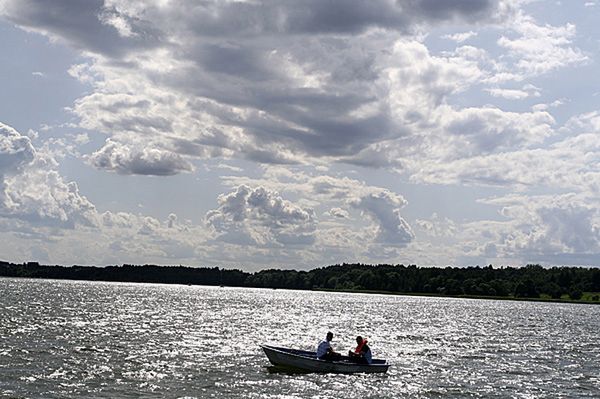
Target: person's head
(329, 336)
(359, 340)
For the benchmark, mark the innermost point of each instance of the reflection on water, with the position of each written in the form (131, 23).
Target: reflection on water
(65, 338)
(285, 370)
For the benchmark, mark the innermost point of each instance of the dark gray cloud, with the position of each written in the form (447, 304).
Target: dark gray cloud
(238, 61)
(449, 10)
(82, 24)
(324, 17)
(272, 81)
(109, 27)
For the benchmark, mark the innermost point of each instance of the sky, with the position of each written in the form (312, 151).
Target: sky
(299, 134)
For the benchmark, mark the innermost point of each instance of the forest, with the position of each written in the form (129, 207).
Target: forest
(530, 282)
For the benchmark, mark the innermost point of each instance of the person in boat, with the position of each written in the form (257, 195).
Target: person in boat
(362, 352)
(325, 351)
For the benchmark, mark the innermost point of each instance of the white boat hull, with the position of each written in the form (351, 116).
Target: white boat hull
(307, 361)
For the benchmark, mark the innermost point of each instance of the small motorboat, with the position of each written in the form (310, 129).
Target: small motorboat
(297, 359)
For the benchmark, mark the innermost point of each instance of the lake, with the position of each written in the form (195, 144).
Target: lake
(95, 339)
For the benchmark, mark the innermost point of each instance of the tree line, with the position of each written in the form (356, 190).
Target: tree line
(531, 281)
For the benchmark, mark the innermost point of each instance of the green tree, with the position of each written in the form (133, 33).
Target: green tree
(526, 289)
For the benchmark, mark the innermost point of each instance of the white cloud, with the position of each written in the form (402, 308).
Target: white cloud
(543, 226)
(381, 223)
(81, 138)
(515, 94)
(117, 21)
(339, 213)
(460, 37)
(260, 216)
(546, 229)
(490, 129)
(540, 49)
(571, 163)
(16, 150)
(437, 226)
(384, 208)
(124, 159)
(32, 191)
(119, 219)
(588, 122)
(45, 217)
(420, 83)
(545, 107)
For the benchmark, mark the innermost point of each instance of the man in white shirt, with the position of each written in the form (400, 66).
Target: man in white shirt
(325, 351)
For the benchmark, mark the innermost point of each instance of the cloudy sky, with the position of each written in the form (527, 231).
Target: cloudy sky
(297, 134)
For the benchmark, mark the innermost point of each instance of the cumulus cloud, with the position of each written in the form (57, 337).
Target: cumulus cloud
(437, 226)
(118, 219)
(588, 122)
(380, 208)
(43, 197)
(435, 131)
(547, 229)
(420, 82)
(574, 227)
(489, 130)
(542, 226)
(384, 208)
(540, 49)
(260, 216)
(16, 150)
(32, 191)
(124, 159)
(255, 222)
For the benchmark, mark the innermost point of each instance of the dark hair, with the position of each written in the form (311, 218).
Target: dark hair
(359, 338)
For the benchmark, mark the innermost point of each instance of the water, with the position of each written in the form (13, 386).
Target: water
(91, 339)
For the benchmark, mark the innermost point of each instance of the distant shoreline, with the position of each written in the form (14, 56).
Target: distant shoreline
(368, 292)
(529, 283)
(483, 297)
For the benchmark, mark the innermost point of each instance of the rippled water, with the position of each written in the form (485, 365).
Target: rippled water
(90, 339)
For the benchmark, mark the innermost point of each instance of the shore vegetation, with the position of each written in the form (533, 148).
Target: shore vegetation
(531, 282)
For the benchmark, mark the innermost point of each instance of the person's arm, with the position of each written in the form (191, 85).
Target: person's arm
(330, 350)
